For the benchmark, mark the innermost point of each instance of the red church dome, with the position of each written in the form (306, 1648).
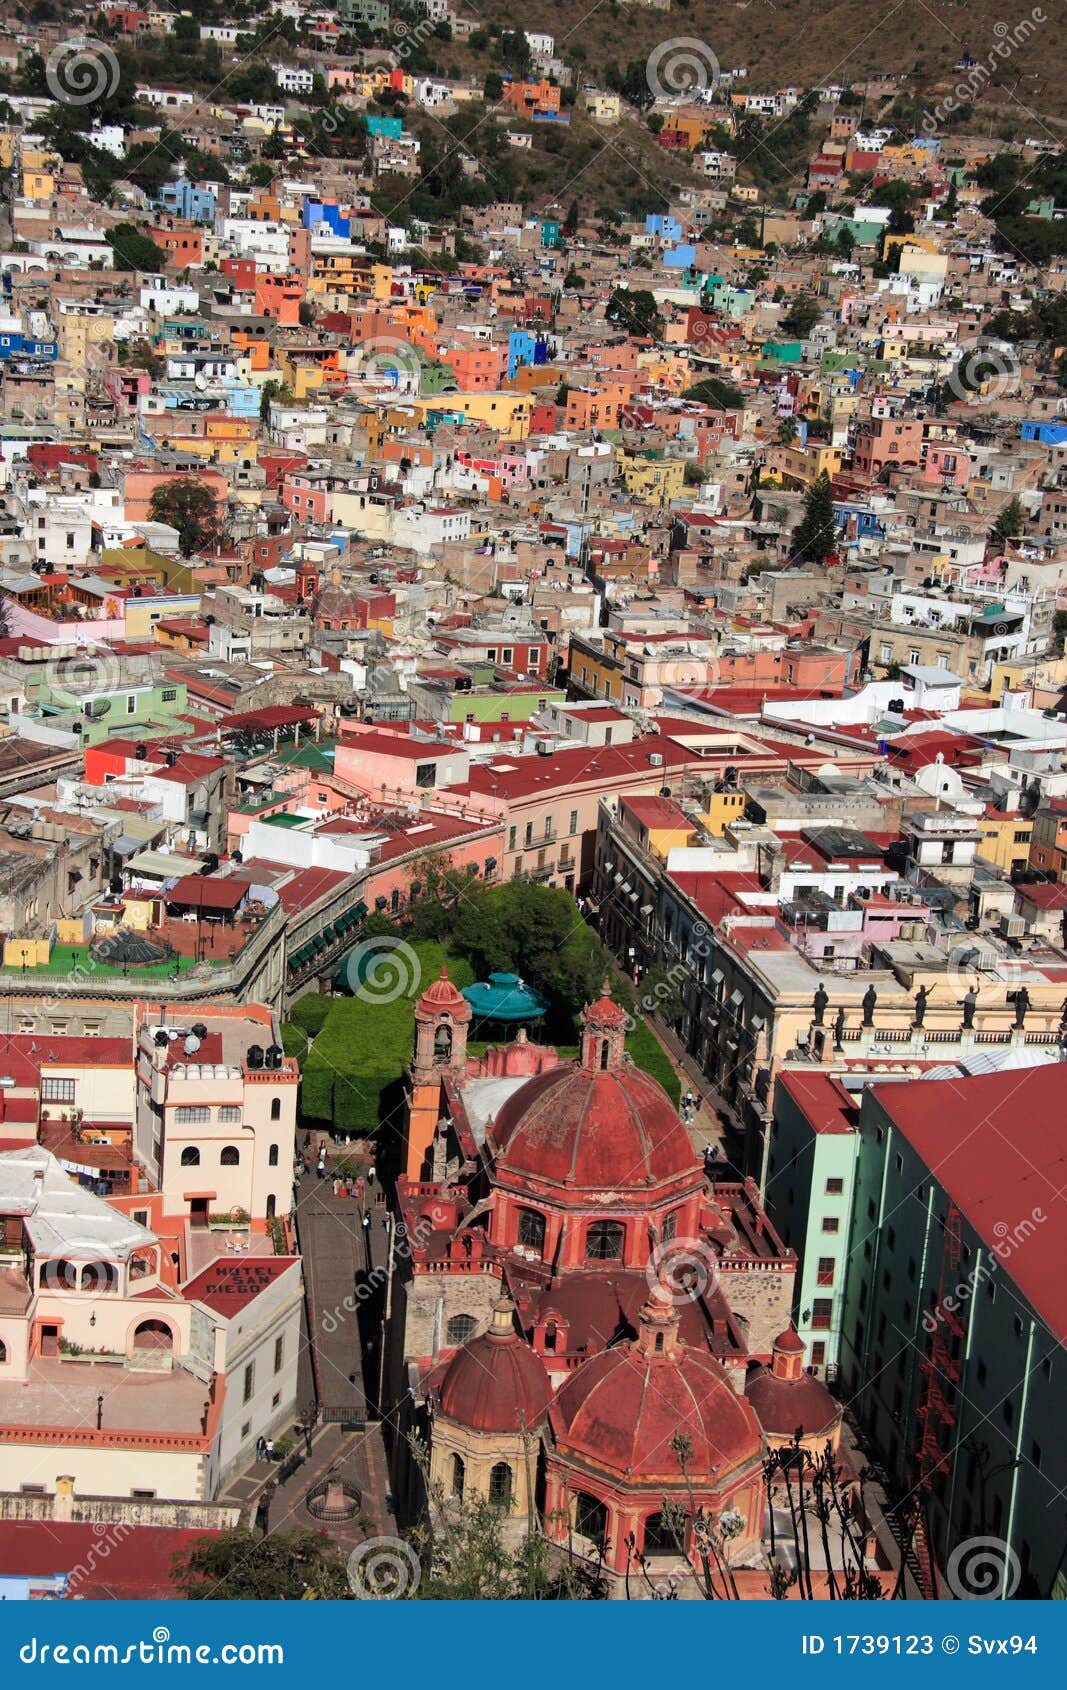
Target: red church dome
(496, 1383)
(786, 1398)
(622, 1408)
(595, 1125)
(444, 995)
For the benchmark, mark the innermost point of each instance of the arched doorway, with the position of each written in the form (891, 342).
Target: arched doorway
(153, 1335)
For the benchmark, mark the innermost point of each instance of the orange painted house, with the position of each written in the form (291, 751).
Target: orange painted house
(182, 242)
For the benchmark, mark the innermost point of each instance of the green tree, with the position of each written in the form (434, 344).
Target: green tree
(238, 1566)
(493, 86)
(570, 222)
(815, 536)
(270, 391)
(802, 316)
(714, 391)
(1009, 524)
(132, 250)
(635, 312)
(191, 507)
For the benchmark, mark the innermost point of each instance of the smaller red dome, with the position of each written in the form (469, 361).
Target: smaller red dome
(789, 1341)
(443, 995)
(496, 1383)
(784, 1406)
(623, 1407)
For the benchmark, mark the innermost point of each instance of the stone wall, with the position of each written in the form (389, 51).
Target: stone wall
(762, 1298)
(432, 1299)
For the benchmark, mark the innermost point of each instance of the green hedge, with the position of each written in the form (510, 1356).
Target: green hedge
(365, 1046)
(311, 1012)
(646, 1050)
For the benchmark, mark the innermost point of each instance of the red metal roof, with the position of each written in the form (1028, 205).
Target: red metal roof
(990, 1142)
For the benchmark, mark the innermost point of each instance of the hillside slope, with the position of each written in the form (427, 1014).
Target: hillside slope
(783, 42)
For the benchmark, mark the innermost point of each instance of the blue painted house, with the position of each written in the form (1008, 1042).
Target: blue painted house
(185, 200)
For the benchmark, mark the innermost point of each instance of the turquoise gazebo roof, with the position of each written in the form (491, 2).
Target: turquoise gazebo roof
(504, 997)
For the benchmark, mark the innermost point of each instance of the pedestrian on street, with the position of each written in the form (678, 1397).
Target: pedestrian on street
(366, 1222)
(370, 1174)
(261, 1448)
(268, 1448)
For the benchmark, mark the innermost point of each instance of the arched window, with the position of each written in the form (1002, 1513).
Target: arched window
(591, 1518)
(665, 1535)
(500, 1485)
(230, 1156)
(603, 1242)
(442, 1043)
(3, 1352)
(459, 1474)
(190, 1156)
(531, 1230)
(670, 1226)
(272, 1206)
(275, 1108)
(605, 1052)
(272, 1156)
(461, 1328)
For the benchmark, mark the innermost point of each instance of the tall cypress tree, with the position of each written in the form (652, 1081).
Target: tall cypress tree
(815, 536)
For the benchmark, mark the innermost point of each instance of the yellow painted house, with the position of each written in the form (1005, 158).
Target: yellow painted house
(1005, 840)
(803, 465)
(508, 412)
(654, 481)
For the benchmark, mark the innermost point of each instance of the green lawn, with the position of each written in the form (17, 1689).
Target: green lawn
(365, 1047)
(75, 960)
